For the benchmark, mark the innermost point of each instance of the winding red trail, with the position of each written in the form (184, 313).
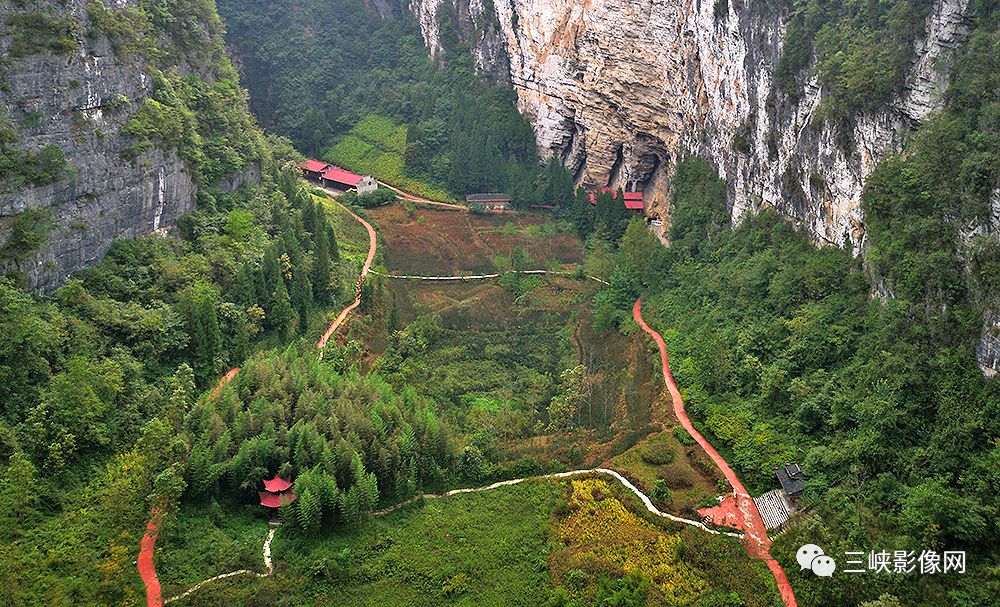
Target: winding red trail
(357, 288)
(415, 198)
(758, 544)
(147, 569)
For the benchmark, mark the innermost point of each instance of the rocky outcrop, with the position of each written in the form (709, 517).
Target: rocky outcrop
(988, 349)
(476, 23)
(619, 90)
(79, 102)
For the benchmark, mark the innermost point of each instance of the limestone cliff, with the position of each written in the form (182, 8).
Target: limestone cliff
(78, 98)
(620, 89)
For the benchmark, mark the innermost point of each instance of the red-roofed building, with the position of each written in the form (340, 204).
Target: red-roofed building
(276, 493)
(275, 500)
(277, 484)
(336, 177)
(604, 190)
(314, 169)
(633, 201)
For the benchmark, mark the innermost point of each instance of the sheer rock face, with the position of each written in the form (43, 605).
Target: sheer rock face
(620, 89)
(80, 102)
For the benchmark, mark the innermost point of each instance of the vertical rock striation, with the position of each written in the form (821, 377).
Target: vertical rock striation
(80, 101)
(619, 90)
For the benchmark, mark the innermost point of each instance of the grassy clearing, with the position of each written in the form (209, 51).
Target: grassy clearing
(376, 146)
(610, 548)
(661, 457)
(208, 539)
(485, 549)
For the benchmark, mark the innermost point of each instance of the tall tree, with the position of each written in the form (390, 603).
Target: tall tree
(321, 268)
(198, 306)
(281, 314)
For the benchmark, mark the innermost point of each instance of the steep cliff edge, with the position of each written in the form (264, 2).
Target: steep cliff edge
(619, 90)
(75, 76)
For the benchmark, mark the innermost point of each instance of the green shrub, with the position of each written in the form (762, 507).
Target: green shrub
(683, 437)
(657, 452)
(38, 32)
(29, 232)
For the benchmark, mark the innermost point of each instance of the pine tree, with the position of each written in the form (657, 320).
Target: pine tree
(303, 318)
(281, 314)
(271, 275)
(198, 306)
(244, 291)
(301, 291)
(331, 241)
(321, 268)
(393, 323)
(309, 220)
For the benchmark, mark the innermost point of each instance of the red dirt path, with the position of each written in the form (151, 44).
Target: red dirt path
(357, 289)
(147, 569)
(743, 512)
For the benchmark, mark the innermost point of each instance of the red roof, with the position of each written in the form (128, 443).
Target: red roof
(275, 500)
(604, 190)
(277, 484)
(339, 175)
(314, 166)
(633, 201)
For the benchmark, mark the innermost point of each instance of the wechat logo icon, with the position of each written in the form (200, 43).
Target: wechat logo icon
(812, 557)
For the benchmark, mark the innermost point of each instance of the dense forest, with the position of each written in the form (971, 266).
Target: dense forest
(313, 78)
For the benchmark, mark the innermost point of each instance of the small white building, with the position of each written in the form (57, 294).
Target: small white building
(366, 185)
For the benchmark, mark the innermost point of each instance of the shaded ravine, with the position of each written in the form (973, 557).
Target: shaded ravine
(757, 543)
(147, 569)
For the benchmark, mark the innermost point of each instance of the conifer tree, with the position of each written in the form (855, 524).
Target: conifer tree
(301, 290)
(281, 314)
(331, 241)
(271, 269)
(321, 268)
(244, 291)
(198, 307)
(303, 318)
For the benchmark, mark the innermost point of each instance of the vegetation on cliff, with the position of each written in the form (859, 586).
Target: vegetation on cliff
(313, 78)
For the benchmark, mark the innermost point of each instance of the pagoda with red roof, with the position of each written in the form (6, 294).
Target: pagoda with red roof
(276, 493)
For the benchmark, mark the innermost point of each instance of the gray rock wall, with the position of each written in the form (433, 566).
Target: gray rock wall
(80, 103)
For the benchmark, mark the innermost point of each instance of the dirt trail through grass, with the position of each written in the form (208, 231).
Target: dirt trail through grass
(758, 544)
(483, 276)
(648, 503)
(268, 568)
